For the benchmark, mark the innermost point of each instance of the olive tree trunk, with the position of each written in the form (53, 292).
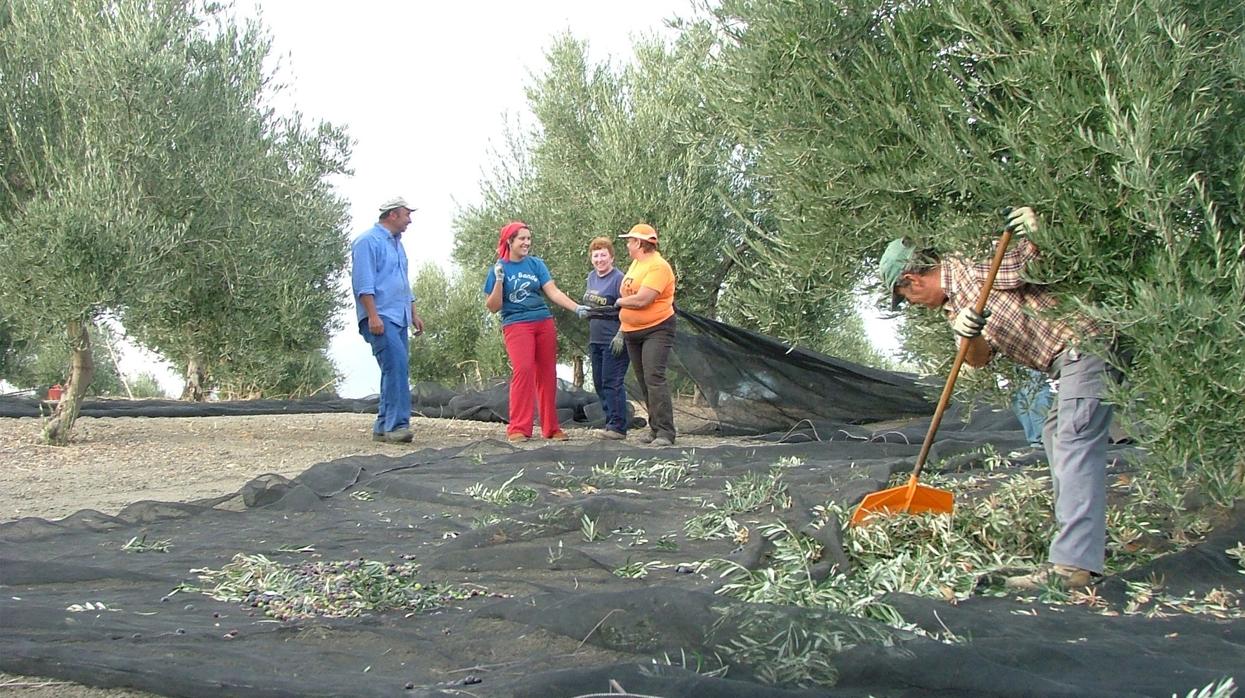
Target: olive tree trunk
(81, 372)
(577, 365)
(194, 381)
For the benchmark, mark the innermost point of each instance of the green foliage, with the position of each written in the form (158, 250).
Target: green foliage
(145, 385)
(661, 473)
(613, 147)
(14, 353)
(1002, 522)
(262, 239)
(1119, 122)
(745, 494)
(460, 340)
(47, 363)
(275, 372)
(146, 176)
(1186, 324)
(325, 589)
(505, 493)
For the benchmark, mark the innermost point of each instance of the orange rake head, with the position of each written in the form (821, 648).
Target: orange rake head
(912, 498)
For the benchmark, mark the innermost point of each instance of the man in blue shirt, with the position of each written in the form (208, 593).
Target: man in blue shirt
(384, 309)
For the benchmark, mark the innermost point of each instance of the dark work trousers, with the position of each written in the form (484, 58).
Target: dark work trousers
(649, 349)
(608, 372)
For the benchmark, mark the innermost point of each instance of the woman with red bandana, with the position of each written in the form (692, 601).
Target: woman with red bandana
(517, 288)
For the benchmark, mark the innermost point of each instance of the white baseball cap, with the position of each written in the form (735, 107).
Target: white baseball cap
(396, 202)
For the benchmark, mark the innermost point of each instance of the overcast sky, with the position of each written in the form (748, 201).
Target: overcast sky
(424, 89)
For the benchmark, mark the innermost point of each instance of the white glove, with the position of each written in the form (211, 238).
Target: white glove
(499, 273)
(968, 323)
(1022, 221)
(616, 344)
(582, 311)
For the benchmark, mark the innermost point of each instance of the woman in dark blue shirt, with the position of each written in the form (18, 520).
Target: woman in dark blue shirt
(609, 365)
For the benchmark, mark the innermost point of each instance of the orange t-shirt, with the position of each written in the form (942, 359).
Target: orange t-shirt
(652, 272)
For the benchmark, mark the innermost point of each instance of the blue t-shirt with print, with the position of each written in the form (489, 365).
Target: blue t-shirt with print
(522, 299)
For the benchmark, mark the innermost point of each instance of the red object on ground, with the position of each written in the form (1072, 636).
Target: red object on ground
(55, 392)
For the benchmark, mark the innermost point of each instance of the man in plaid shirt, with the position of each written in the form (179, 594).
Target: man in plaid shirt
(1021, 328)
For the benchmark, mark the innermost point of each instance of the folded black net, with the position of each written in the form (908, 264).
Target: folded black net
(727, 380)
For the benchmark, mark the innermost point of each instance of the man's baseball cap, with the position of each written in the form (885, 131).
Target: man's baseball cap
(642, 231)
(895, 259)
(396, 202)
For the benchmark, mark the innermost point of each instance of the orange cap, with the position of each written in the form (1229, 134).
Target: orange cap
(642, 231)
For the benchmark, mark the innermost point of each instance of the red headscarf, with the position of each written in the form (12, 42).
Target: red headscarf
(508, 231)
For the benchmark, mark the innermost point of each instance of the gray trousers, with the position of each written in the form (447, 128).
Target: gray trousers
(1076, 438)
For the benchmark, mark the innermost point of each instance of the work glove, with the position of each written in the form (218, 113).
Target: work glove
(499, 273)
(616, 344)
(582, 311)
(1022, 221)
(968, 323)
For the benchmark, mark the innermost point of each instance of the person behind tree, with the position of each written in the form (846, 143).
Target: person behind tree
(1031, 404)
(608, 369)
(647, 316)
(517, 287)
(1021, 327)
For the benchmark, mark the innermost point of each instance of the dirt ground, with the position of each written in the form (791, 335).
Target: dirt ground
(113, 462)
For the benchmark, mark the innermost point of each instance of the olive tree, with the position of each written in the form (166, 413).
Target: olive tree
(611, 147)
(146, 177)
(458, 345)
(1121, 123)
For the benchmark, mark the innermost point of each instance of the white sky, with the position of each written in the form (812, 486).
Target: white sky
(424, 88)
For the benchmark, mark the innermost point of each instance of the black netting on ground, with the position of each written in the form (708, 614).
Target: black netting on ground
(19, 406)
(730, 381)
(753, 384)
(548, 598)
(488, 404)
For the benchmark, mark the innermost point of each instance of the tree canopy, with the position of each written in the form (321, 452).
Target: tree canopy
(778, 147)
(145, 176)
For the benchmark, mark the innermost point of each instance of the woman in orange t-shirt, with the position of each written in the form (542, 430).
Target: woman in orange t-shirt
(646, 311)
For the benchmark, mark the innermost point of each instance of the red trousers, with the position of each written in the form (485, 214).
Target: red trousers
(533, 351)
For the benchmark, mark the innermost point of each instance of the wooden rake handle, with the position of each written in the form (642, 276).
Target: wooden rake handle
(1004, 240)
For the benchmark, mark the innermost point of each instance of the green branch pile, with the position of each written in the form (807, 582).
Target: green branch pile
(324, 589)
(1001, 523)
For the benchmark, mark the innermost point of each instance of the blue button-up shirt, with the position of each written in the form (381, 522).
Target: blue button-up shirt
(378, 268)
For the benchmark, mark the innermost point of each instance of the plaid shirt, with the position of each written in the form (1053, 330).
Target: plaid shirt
(1019, 326)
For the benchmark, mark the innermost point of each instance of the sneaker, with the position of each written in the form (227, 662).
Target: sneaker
(661, 441)
(558, 435)
(397, 436)
(1051, 575)
(646, 438)
(611, 435)
(516, 438)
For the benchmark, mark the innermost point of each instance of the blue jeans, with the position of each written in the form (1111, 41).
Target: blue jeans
(1031, 403)
(392, 351)
(608, 372)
